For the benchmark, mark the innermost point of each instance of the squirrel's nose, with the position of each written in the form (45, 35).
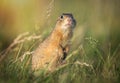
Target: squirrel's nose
(69, 19)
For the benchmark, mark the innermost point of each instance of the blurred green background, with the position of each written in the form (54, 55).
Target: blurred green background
(97, 19)
(101, 17)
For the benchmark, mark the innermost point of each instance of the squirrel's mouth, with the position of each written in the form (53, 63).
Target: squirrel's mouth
(68, 24)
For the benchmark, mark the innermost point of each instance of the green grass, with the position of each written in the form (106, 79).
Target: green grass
(88, 63)
(95, 49)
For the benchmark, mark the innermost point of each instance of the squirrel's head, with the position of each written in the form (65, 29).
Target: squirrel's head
(66, 22)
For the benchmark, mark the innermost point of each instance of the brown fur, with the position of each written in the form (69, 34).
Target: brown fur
(52, 52)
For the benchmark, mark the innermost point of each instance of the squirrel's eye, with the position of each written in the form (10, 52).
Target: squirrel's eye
(61, 16)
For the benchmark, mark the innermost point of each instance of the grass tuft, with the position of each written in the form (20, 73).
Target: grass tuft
(87, 63)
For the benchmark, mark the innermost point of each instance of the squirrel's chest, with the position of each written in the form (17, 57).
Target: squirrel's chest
(44, 56)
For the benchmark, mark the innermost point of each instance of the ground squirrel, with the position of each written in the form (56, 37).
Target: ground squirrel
(52, 52)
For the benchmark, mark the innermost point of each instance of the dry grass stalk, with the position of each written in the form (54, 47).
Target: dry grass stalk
(25, 54)
(20, 39)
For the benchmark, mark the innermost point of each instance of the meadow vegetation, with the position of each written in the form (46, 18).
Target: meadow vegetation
(95, 47)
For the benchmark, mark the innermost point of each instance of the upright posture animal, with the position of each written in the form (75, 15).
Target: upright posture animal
(52, 51)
